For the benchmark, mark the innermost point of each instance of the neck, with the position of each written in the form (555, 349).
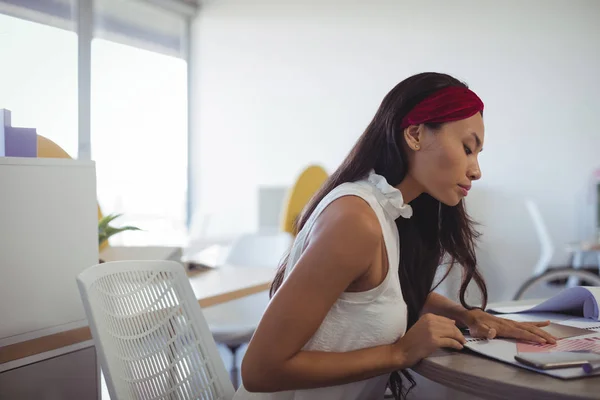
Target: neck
(410, 189)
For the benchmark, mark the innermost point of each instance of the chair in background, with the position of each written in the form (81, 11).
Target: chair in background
(233, 323)
(307, 184)
(46, 148)
(543, 274)
(211, 236)
(152, 339)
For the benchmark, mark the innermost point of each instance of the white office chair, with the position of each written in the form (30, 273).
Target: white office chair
(233, 323)
(152, 339)
(543, 274)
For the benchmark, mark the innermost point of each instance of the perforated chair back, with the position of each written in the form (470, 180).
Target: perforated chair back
(151, 336)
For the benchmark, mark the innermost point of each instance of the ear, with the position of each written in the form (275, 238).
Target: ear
(413, 136)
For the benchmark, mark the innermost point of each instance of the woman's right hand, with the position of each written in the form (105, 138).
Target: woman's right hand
(428, 334)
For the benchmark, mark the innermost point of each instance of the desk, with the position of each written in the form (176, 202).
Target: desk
(489, 379)
(211, 287)
(219, 285)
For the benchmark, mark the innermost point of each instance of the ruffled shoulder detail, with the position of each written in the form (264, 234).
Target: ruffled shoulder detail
(391, 198)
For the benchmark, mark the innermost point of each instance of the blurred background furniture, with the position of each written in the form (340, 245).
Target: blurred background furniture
(150, 334)
(46, 148)
(580, 253)
(544, 274)
(233, 323)
(48, 225)
(129, 253)
(307, 184)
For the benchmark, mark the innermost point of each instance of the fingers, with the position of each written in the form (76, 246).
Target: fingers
(438, 318)
(519, 333)
(540, 323)
(529, 331)
(539, 332)
(451, 343)
(446, 329)
(450, 331)
(458, 336)
(483, 331)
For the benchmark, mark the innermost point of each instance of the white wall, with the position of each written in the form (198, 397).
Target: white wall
(283, 83)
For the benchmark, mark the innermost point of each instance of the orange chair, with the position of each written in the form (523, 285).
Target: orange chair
(46, 148)
(306, 185)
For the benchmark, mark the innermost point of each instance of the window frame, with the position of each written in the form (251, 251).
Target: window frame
(78, 15)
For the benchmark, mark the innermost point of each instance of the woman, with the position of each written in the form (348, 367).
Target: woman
(353, 302)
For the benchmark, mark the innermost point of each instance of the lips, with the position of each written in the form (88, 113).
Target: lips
(465, 189)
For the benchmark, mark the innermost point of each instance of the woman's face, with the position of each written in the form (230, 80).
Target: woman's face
(444, 162)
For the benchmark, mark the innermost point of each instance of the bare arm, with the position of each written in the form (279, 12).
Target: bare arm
(342, 250)
(482, 324)
(441, 305)
(343, 245)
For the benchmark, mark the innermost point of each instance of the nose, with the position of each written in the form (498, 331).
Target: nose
(474, 172)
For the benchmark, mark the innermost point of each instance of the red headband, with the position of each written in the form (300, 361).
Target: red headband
(449, 104)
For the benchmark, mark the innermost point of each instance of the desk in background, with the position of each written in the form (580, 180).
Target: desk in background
(71, 354)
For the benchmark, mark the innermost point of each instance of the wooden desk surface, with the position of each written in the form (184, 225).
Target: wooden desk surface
(490, 379)
(215, 286)
(473, 373)
(211, 287)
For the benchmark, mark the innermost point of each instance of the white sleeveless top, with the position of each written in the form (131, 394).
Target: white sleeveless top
(356, 320)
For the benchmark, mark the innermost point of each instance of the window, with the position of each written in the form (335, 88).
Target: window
(136, 125)
(139, 120)
(139, 140)
(38, 78)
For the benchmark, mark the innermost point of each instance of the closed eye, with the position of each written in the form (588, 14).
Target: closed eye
(468, 150)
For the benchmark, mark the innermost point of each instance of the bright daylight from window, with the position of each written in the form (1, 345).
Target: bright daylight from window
(138, 120)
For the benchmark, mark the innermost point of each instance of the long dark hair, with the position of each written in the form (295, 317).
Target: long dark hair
(434, 232)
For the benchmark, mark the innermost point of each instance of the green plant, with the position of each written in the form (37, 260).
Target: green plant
(105, 231)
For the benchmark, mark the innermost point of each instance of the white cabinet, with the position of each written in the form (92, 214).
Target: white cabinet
(48, 234)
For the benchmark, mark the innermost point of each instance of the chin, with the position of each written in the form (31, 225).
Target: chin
(451, 200)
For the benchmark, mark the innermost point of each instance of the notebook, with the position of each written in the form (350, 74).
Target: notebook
(579, 300)
(577, 334)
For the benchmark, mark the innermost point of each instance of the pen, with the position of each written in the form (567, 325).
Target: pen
(591, 367)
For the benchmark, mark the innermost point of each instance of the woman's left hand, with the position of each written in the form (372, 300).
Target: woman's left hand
(484, 325)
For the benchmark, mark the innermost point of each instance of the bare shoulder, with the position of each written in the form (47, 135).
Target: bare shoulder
(342, 248)
(349, 226)
(350, 211)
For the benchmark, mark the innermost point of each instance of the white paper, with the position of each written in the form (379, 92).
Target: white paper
(504, 350)
(539, 316)
(582, 300)
(584, 323)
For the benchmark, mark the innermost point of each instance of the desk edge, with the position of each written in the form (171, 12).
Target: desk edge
(70, 337)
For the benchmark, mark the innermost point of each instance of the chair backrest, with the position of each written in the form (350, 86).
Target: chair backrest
(306, 185)
(150, 333)
(547, 249)
(259, 249)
